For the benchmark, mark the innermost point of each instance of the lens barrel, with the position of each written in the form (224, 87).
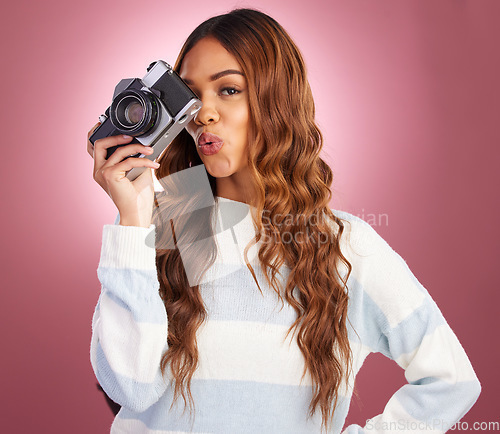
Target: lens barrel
(134, 112)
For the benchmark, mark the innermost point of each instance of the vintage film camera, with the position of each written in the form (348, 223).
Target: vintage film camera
(153, 110)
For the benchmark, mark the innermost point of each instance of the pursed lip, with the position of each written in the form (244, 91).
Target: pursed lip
(208, 138)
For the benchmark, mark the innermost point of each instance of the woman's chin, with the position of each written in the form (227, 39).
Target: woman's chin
(219, 169)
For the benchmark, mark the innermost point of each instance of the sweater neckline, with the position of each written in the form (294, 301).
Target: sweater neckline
(225, 199)
(235, 216)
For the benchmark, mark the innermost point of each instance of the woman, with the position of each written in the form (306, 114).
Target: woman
(193, 318)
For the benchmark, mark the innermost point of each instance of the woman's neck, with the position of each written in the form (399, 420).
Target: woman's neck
(235, 188)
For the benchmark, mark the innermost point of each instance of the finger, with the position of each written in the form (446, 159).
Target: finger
(118, 172)
(128, 150)
(101, 146)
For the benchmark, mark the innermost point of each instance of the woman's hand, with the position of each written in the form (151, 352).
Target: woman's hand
(134, 199)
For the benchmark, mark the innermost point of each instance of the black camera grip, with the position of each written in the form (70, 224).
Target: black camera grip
(112, 149)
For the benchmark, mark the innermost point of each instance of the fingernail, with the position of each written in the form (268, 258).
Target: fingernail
(127, 137)
(156, 164)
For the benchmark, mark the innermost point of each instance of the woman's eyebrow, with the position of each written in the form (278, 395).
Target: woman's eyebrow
(224, 73)
(218, 75)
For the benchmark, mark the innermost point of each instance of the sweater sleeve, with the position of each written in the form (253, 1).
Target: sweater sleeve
(129, 325)
(441, 383)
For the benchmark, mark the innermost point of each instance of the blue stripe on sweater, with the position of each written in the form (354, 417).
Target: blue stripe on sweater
(436, 401)
(137, 288)
(409, 333)
(370, 321)
(235, 297)
(123, 390)
(365, 316)
(247, 407)
(228, 296)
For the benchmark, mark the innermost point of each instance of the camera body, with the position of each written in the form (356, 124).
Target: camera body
(153, 110)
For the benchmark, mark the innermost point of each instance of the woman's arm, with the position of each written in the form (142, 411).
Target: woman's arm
(442, 385)
(129, 326)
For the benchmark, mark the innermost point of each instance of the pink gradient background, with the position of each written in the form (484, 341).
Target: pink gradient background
(407, 97)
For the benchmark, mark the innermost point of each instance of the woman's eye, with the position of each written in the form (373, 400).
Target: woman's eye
(229, 91)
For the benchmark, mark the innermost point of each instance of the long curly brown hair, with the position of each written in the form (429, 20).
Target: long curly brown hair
(292, 191)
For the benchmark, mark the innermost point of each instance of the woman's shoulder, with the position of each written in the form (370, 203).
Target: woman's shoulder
(378, 269)
(358, 234)
(353, 224)
(349, 218)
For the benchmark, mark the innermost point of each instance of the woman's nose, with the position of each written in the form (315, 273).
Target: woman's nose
(208, 113)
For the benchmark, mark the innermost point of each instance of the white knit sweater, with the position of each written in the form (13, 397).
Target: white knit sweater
(248, 378)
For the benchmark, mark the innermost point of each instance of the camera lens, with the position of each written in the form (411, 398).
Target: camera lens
(134, 112)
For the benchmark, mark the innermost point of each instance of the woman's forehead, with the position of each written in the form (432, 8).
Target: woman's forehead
(206, 59)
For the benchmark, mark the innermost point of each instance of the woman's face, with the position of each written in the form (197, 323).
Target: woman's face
(220, 129)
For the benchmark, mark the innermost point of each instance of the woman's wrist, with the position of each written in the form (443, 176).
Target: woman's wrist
(140, 221)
